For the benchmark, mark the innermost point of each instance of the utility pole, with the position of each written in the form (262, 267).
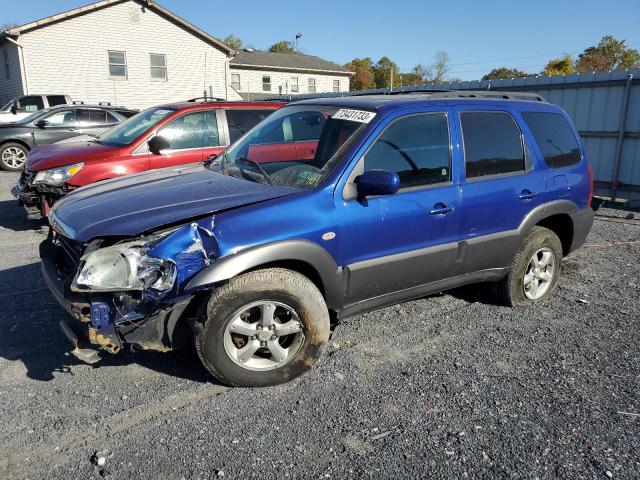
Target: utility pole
(298, 35)
(391, 88)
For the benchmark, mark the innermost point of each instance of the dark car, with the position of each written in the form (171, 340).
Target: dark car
(158, 137)
(52, 125)
(250, 255)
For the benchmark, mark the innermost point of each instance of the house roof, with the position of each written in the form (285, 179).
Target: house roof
(285, 61)
(150, 4)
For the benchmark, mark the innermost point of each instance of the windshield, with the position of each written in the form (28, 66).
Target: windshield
(7, 105)
(33, 116)
(131, 129)
(295, 147)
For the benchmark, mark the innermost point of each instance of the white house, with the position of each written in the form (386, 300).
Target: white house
(137, 54)
(127, 52)
(256, 74)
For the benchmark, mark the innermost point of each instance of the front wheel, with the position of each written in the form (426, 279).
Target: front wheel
(535, 269)
(13, 156)
(263, 328)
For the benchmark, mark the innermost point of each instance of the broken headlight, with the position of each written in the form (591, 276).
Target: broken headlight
(57, 176)
(124, 267)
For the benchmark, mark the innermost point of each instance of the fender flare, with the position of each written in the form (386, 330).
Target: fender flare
(305, 251)
(543, 211)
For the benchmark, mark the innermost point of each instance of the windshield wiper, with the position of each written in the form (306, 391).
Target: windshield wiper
(260, 168)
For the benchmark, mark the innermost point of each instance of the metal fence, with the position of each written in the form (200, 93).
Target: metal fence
(604, 106)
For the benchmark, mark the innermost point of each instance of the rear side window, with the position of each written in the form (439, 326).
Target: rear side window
(56, 100)
(416, 148)
(86, 117)
(555, 138)
(492, 144)
(241, 121)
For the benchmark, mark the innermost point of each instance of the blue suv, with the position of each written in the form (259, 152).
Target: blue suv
(327, 208)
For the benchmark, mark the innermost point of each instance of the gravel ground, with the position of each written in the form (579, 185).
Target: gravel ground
(448, 386)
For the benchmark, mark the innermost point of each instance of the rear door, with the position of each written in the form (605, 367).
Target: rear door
(500, 187)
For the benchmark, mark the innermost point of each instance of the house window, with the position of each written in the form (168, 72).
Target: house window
(266, 83)
(235, 81)
(158, 63)
(312, 85)
(117, 64)
(7, 72)
(336, 85)
(294, 85)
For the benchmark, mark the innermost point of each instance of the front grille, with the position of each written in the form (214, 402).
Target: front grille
(69, 254)
(25, 178)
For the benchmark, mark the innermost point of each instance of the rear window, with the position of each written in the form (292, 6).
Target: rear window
(492, 144)
(241, 121)
(555, 138)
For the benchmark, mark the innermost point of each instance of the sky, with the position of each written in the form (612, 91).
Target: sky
(477, 35)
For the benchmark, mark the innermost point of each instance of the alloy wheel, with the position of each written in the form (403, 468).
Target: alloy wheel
(539, 274)
(263, 335)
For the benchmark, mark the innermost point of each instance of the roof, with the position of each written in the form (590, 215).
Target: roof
(150, 4)
(378, 102)
(285, 61)
(274, 104)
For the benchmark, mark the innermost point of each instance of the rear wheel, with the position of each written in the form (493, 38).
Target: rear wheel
(13, 156)
(263, 328)
(535, 269)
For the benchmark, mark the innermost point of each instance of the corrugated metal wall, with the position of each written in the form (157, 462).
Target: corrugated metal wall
(596, 102)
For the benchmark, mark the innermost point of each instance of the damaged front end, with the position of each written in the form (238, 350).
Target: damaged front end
(129, 292)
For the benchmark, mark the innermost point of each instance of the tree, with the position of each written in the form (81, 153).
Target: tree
(559, 66)
(383, 71)
(434, 73)
(609, 54)
(284, 46)
(233, 41)
(504, 72)
(363, 78)
(7, 26)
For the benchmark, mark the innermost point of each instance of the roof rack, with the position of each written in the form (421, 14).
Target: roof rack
(207, 99)
(500, 95)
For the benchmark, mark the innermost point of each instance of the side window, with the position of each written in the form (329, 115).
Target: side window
(295, 88)
(185, 132)
(336, 86)
(312, 85)
(158, 65)
(241, 121)
(235, 81)
(86, 117)
(416, 148)
(554, 137)
(492, 144)
(55, 100)
(32, 103)
(211, 138)
(61, 118)
(111, 119)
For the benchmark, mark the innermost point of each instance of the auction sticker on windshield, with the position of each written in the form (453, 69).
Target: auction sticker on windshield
(361, 116)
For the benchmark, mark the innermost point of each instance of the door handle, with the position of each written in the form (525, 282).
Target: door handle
(527, 195)
(441, 209)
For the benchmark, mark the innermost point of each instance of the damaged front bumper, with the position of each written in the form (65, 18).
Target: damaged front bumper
(105, 322)
(37, 200)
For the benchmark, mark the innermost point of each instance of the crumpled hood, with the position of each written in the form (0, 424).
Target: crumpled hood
(134, 204)
(55, 155)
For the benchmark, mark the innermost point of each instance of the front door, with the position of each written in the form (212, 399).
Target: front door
(501, 186)
(396, 242)
(59, 125)
(189, 136)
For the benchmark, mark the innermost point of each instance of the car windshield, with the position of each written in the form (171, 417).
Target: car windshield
(129, 130)
(297, 146)
(34, 116)
(7, 105)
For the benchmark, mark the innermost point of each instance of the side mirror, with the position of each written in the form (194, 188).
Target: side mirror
(377, 182)
(157, 144)
(41, 123)
(14, 108)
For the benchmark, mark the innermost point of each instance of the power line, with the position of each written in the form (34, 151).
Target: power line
(530, 56)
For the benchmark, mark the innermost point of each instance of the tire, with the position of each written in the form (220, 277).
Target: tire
(13, 156)
(515, 289)
(235, 319)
